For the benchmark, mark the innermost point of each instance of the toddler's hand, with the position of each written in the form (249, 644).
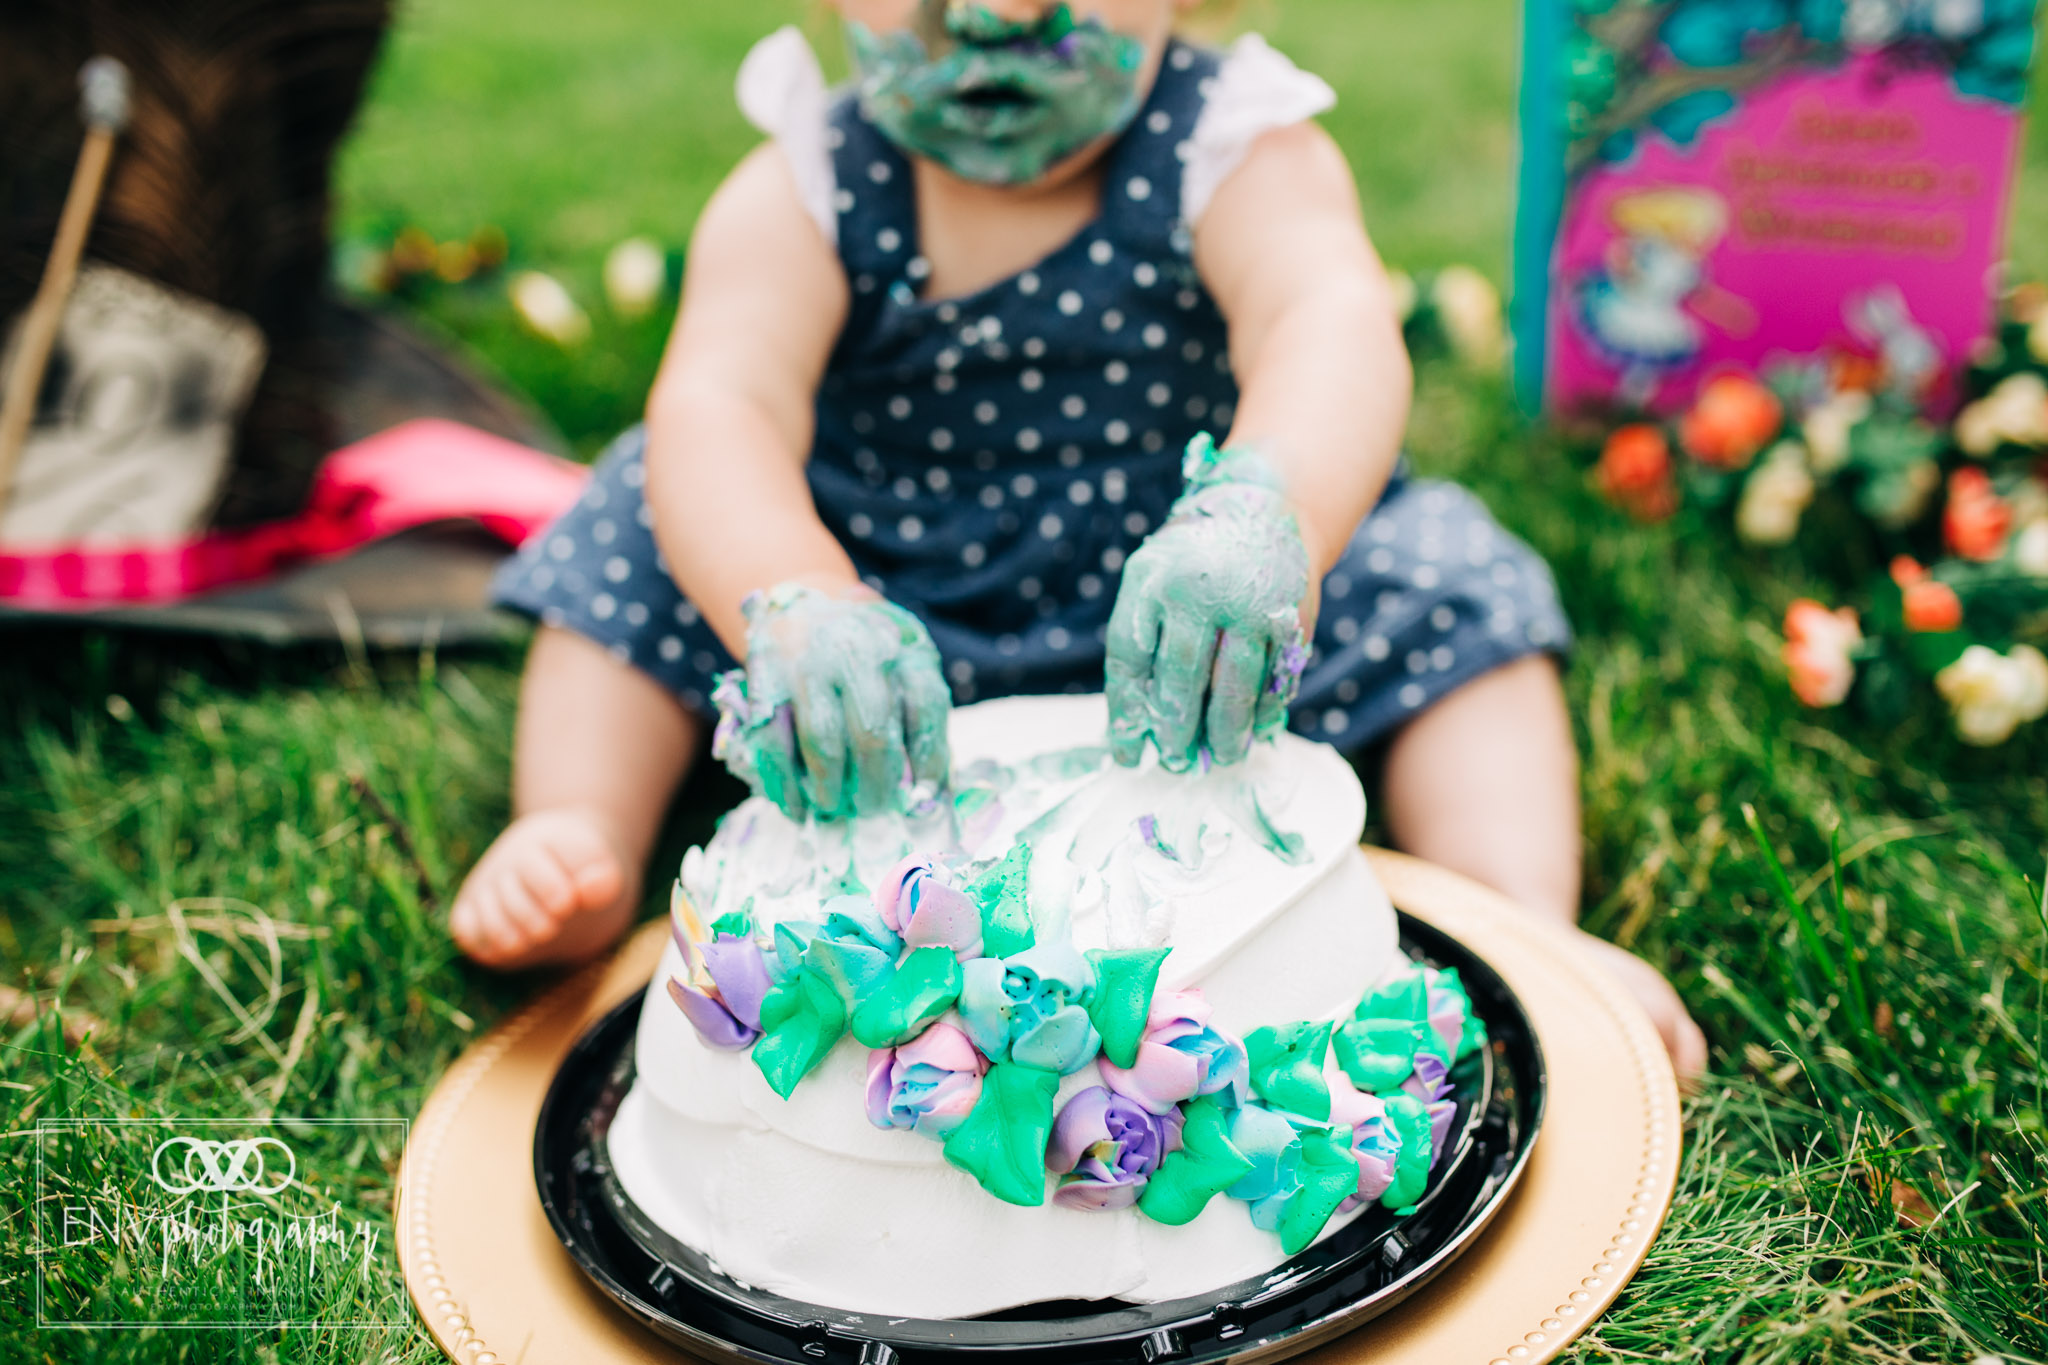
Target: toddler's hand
(1205, 646)
(840, 696)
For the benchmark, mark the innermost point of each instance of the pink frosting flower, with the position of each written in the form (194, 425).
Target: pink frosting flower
(1179, 1057)
(1373, 1140)
(927, 1085)
(915, 901)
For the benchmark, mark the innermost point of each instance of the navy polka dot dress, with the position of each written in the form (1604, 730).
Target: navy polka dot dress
(991, 461)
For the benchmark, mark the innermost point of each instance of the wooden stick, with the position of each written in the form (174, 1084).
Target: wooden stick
(104, 85)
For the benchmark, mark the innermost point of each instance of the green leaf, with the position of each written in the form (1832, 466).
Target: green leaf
(924, 986)
(1006, 927)
(1002, 1141)
(1205, 1165)
(1328, 1172)
(1287, 1067)
(1410, 1121)
(802, 1019)
(1124, 981)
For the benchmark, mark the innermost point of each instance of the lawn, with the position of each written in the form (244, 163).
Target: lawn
(227, 864)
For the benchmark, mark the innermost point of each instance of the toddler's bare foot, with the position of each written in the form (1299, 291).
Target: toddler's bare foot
(1682, 1037)
(554, 887)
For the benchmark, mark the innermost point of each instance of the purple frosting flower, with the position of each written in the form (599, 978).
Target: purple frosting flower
(917, 903)
(1180, 1057)
(1373, 1140)
(1107, 1146)
(1430, 1080)
(724, 977)
(927, 1085)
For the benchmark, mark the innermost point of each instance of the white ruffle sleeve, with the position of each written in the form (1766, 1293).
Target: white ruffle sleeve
(1257, 90)
(781, 90)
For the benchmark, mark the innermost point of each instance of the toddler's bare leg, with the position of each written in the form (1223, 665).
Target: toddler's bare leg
(599, 750)
(1486, 782)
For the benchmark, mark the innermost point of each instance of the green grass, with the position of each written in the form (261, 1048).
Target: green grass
(228, 863)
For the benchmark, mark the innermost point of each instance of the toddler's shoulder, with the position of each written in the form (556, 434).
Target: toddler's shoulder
(781, 89)
(1256, 91)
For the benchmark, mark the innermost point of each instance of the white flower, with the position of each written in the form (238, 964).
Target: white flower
(1992, 694)
(1468, 307)
(1827, 428)
(2015, 412)
(1401, 287)
(1775, 494)
(545, 306)
(634, 274)
(2030, 549)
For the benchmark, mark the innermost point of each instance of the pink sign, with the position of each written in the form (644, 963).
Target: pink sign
(1850, 209)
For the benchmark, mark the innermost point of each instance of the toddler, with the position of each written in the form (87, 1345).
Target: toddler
(932, 427)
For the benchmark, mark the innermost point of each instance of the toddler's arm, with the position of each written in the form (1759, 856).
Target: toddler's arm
(1323, 377)
(841, 689)
(729, 421)
(1207, 639)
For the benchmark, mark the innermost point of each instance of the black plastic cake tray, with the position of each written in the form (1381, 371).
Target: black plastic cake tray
(1348, 1278)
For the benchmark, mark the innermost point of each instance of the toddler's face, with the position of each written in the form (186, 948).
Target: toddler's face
(1005, 92)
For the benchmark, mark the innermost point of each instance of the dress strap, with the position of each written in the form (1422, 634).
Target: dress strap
(781, 90)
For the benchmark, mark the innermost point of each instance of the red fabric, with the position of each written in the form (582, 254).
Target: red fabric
(418, 472)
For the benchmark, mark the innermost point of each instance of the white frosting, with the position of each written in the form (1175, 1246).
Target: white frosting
(805, 1198)
(781, 90)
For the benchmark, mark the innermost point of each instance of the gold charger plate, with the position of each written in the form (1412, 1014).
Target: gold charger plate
(494, 1285)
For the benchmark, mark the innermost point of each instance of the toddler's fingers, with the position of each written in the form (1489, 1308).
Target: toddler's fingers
(1127, 668)
(1234, 690)
(926, 706)
(777, 762)
(874, 733)
(1180, 680)
(821, 739)
(1270, 714)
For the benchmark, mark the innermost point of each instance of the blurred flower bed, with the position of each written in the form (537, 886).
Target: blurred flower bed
(1832, 446)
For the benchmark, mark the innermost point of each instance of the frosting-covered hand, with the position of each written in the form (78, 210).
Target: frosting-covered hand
(1206, 644)
(841, 709)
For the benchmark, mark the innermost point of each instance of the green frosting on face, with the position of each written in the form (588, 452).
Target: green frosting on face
(1287, 1067)
(992, 100)
(1006, 927)
(1205, 1165)
(1124, 980)
(1410, 1120)
(1328, 1173)
(801, 1019)
(923, 987)
(1001, 1143)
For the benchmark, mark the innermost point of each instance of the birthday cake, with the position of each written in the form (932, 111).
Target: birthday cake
(1070, 1031)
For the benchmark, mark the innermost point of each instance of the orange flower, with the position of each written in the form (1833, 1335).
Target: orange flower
(1931, 605)
(1732, 419)
(1818, 643)
(1635, 472)
(1976, 521)
(1906, 571)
